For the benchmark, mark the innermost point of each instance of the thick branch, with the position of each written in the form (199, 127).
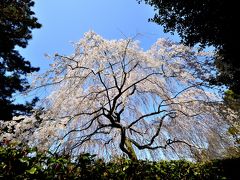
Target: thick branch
(168, 142)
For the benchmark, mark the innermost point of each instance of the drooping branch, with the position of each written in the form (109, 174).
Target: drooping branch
(157, 131)
(167, 143)
(114, 90)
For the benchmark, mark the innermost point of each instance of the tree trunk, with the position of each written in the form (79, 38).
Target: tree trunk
(126, 146)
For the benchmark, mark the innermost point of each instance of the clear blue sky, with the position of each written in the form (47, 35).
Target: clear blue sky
(65, 21)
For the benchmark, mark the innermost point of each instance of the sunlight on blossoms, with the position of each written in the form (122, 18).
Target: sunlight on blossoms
(110, 97)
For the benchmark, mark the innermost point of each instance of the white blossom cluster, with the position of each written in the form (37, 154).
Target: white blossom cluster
(143, 91)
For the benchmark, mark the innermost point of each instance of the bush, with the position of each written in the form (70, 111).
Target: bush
(22, 162)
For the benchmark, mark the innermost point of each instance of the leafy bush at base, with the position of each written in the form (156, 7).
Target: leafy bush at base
(20, 162)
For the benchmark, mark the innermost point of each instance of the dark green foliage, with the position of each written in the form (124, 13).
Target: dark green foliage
(16, 24)
(20, 162)
(208, 22)
(232, 100)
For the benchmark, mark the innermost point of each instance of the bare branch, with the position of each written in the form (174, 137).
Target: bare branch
(110, 90)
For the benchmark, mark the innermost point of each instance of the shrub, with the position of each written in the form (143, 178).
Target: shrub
(22, 162)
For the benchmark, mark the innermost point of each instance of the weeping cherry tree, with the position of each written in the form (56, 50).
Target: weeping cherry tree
(111, 97)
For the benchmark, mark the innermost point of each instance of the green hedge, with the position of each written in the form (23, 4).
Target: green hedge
(20, 162)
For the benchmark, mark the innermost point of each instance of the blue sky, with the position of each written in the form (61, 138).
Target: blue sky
(65, 21)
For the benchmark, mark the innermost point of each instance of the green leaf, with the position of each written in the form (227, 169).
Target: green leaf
(125, 167)
(32, 170)
(24, 160)
(233, 130)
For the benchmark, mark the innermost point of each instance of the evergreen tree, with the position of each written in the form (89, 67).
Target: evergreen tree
(210, 23)
(16, 23)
